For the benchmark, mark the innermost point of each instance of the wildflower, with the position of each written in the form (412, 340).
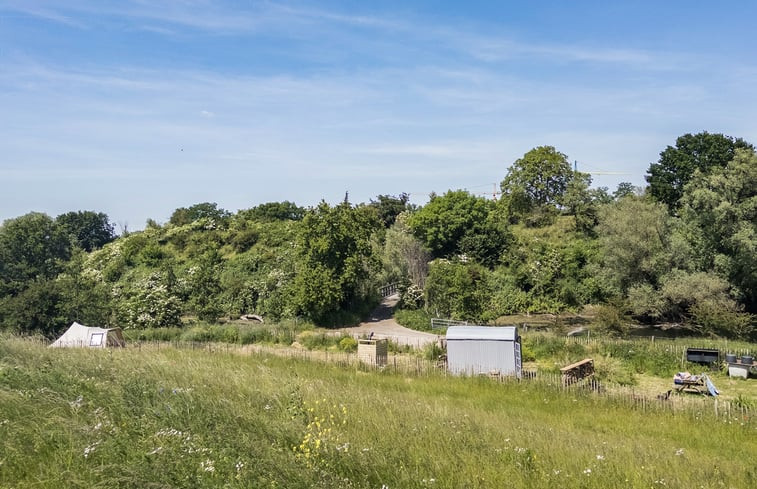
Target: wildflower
(90, 449)
(679, 452)
(267, 407)
(600, 457)
(239, 466)
(171, 432)
(77, 403)
(587, 471)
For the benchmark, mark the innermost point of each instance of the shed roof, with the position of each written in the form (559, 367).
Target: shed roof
(490, 333)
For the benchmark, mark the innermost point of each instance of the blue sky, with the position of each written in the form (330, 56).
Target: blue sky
(135, 108)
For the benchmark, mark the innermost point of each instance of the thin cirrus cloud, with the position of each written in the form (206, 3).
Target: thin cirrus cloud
(316, 101)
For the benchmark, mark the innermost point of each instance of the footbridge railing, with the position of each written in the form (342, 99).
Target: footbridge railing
(389, 289)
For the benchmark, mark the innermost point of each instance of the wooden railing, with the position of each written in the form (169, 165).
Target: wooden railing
(389, 289)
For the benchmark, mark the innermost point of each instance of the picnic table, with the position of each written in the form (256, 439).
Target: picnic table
(700, 384)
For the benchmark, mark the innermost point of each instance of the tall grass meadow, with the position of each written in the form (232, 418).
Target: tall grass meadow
(168, 417)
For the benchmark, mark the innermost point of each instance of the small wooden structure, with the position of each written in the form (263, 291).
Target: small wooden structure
(373, 351)
(577, 371)
(704, 356)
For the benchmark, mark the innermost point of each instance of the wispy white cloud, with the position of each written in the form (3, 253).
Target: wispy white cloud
(449, 109)
(398, 34)
(48, 13)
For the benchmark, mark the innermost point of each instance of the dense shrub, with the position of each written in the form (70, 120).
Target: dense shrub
(348, 344)
(417, 319)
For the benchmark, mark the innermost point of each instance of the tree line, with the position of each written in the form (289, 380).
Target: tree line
(680, 250)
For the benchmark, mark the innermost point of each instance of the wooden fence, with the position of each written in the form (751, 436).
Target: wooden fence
(673, 346)
(697, 407)
(389, 290)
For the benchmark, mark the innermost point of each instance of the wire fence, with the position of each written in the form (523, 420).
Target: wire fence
(439, 323)
(673, 346)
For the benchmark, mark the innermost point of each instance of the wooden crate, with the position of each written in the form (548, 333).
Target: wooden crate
(372, 352)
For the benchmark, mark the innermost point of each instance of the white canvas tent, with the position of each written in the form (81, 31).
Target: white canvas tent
(78, 335)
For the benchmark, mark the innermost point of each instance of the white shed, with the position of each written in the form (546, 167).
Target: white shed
(474, 350)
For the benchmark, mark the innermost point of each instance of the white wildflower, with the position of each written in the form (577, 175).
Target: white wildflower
(679, 452)
(587, 471)
(171, 432)
(600, 457)
(207, 466)
(91, 448)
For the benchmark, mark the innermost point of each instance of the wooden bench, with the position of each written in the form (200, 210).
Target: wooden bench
(577, 371)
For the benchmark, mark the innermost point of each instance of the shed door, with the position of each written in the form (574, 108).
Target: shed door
(518, 362)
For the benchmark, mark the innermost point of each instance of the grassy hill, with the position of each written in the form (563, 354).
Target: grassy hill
(181, 418)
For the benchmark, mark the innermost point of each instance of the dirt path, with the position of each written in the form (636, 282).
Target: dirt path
(382, 325)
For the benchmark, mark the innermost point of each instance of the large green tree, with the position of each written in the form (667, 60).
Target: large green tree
(404, 257)
(719, 210)
(32, 247)
(635, 243)
(88, 229)
(275, 211)
(456, 290)
(36, 308)
(204, 210)
(389, 207)
(85, 297)
(536, 183)
(336, 261)
(443, 223)
(702, 151)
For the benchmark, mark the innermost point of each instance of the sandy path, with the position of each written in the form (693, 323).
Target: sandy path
(382, 325)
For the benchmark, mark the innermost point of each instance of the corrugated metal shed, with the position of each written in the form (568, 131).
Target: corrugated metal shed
(474, 350)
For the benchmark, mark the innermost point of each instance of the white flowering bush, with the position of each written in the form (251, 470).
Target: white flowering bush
(149, 304)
